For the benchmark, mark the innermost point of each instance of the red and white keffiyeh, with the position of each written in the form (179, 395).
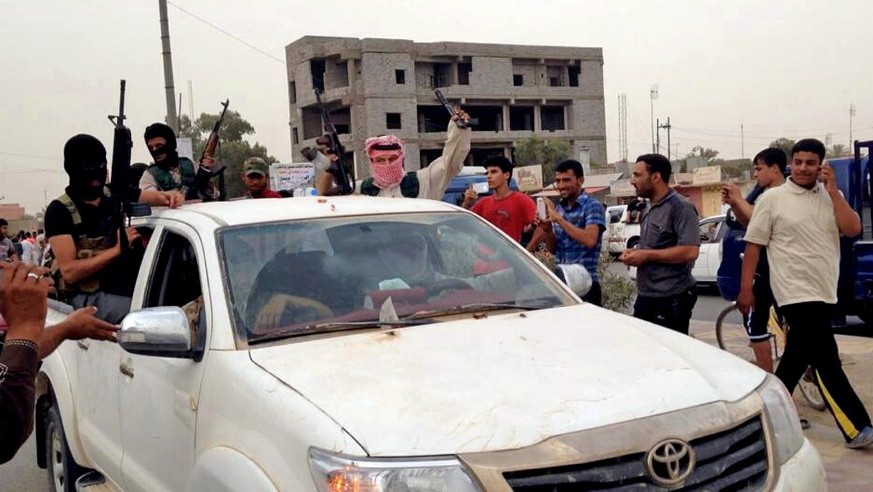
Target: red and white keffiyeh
(385, 175)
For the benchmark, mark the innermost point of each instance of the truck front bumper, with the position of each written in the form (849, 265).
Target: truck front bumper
(804, 471)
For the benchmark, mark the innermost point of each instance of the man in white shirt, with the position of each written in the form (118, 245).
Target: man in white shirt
(800, 224)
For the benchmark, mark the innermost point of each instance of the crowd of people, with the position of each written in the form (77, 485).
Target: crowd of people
(799, 217)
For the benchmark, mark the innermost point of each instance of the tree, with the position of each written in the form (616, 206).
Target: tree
(786, 144)
(233, 148)
(837, 150)
(699, 151)
(547, 153)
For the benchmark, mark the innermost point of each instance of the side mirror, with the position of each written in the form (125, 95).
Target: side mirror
(614, 219)
(160, 331)
(576, 277)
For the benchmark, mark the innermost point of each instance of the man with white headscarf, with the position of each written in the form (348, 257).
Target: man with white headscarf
(389, 178)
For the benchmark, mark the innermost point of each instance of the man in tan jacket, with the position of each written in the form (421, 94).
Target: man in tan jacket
(386, 165)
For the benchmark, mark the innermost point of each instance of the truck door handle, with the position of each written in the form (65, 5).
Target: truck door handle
(82, 344)
(126, 369)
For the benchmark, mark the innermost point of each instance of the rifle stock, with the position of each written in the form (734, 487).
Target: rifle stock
(344, 177)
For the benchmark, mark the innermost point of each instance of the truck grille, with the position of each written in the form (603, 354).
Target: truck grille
(735, 459)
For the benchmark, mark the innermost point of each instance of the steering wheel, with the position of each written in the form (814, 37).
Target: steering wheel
(273, 313)
(447, 284)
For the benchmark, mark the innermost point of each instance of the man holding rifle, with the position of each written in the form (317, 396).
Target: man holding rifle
(172, 172)
(82, 229)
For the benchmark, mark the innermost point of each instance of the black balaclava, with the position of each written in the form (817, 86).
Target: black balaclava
(169, 148)
(85, 164)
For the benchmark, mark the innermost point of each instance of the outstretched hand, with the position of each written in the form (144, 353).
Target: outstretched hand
(83, 324)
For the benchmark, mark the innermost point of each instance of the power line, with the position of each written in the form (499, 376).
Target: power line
(30, 156)
(232, 36)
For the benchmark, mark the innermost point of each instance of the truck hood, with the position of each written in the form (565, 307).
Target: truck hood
(503, 382)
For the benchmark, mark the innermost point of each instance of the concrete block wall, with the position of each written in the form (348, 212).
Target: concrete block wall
(491, 75)
(378, 74)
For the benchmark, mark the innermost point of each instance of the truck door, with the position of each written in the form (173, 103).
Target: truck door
(97, 399)
(160, 395)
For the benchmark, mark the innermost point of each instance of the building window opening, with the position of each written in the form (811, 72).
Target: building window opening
(556, 76)
(316, 70)
(464, 70)
(400, 76)
(573, 74)
(552, 118)
(490, 118)
(295, 136)
(392, 121)
(521, 118)
(432, 119)
(518, 80)
(292, 92)
(440, 76)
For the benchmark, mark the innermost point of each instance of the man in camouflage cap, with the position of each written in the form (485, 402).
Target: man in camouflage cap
(256, 178)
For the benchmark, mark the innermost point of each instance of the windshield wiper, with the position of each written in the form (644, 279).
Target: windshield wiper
(335, 326)
(469, 308)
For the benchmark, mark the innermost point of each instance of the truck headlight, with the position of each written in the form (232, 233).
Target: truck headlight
(341, 473)
(787, 434)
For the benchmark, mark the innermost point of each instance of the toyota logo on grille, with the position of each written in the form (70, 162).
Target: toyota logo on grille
(670, 461)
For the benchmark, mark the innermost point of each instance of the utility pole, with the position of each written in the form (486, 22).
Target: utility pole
(667, 127)
(169, 87)
(653, 94)
(658, 136)
(622, 127)
(851, 117)
(191, 102)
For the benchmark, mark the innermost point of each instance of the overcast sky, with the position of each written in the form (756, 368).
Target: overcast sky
(780, 68)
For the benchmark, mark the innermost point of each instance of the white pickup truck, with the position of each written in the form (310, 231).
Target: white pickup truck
(342, 344)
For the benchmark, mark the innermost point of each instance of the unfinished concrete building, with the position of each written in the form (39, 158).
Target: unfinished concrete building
(379, 86)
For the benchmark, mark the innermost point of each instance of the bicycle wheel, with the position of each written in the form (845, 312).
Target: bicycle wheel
(809, 388)
(731, 334)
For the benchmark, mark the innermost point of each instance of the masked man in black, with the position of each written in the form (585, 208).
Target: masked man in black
(81, 228)
(173, 172)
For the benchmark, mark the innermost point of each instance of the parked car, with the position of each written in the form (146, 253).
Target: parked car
(343, 344)
(712, 231)
(705, 271)
(622, 229)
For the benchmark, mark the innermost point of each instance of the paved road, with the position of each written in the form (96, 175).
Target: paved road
(22, 474)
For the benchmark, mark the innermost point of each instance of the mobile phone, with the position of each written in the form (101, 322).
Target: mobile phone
(481, 187)
(541, 208)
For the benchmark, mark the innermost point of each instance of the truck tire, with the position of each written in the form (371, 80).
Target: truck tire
(62, 469)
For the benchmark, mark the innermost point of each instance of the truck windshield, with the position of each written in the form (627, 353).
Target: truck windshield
(300, 277)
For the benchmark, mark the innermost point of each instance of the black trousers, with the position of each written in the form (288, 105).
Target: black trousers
(673, 312)
(594, 295)
(810, 342)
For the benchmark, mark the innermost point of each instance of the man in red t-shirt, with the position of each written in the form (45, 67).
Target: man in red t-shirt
(509, 210)
(256, 179)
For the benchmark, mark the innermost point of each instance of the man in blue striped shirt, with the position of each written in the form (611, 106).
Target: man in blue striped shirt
(574, 228)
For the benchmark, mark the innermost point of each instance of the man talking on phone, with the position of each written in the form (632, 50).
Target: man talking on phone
(573, 229)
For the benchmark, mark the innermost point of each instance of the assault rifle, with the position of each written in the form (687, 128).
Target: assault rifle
(342, 174)
(120, 185)
(461, 123)
(204, 175)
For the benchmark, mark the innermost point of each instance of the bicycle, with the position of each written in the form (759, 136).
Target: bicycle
(731, 336)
